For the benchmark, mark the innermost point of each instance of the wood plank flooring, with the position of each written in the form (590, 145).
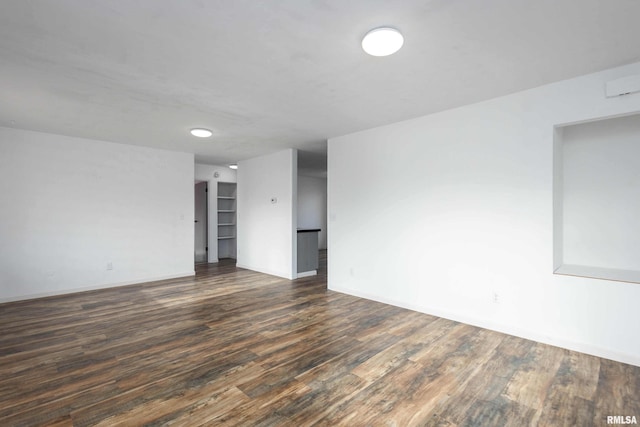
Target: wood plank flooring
(235, 347)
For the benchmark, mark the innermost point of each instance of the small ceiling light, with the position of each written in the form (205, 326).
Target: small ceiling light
(201, 133)
(233, 166)
(382, 41)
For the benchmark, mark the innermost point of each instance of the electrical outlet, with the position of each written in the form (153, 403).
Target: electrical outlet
(109, 265)
(496, 299)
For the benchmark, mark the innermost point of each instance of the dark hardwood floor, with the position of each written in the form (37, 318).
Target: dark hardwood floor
(235, 347)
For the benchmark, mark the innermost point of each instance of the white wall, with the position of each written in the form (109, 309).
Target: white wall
(206, 173)
(266, 230)
(69, 206)
(451, 214)
(312, 206)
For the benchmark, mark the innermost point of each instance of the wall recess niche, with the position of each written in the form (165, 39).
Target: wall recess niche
(596, 206)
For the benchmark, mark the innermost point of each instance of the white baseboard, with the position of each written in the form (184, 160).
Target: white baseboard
(288, 276)
(521, 333)
(307, 274)
(95, 287)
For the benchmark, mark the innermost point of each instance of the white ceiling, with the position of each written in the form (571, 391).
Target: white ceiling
(272, 74)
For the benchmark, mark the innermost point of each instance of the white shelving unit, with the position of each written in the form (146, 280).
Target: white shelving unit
(226, 220)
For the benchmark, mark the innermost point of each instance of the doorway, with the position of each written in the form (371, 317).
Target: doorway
(201, 223)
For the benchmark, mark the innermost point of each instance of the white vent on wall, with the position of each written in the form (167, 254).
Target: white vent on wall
(623, 86)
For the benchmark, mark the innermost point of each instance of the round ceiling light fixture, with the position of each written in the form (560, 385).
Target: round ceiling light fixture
(382, 41)
(201, 132)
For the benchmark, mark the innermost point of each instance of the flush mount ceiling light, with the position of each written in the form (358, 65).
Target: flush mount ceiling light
(382, 41)
(201, 133)
(233, 166)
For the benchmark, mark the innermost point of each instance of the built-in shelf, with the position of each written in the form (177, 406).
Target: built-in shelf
(618, 275)
(226, 219)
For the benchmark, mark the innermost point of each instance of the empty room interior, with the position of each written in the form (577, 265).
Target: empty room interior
(319, 212)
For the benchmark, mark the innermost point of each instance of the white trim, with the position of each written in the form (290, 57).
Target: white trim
(294, 214)
(95, 287)
(521, 333)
